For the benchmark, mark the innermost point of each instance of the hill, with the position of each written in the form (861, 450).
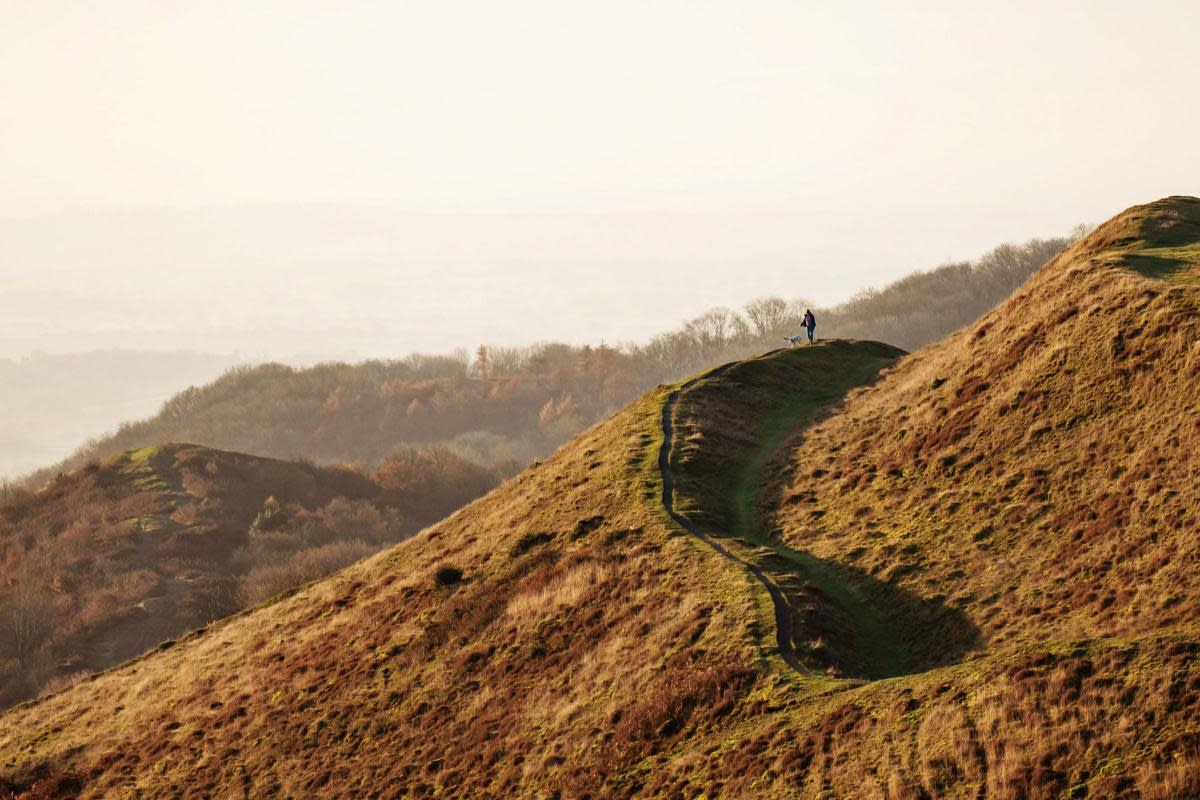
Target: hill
(51, 403)
(805, 574)
(110, 560)
(1037, 469)
(503, 407)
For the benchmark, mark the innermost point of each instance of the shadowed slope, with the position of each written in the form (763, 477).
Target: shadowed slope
(731, 423)
(1039, 469)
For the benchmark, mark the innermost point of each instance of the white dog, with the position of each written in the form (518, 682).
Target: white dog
(793, 340)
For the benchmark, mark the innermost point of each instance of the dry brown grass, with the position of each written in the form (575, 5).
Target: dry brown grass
(948, 749)
(1036, 470)
(559, 591)
(590, 649)
(1177, 778)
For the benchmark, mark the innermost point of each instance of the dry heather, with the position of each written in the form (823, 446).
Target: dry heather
(1002, 524)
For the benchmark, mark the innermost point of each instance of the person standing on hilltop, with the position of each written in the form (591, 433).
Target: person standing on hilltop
(809, 323)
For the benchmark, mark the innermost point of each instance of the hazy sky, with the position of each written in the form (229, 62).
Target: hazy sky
(379, 177)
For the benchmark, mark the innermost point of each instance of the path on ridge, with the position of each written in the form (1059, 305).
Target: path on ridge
(879, 652)
(783, 613)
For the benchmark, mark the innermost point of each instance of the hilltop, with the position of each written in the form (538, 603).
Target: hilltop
(52, 403)
(832, 571)
(1037, 469)
(111, 559)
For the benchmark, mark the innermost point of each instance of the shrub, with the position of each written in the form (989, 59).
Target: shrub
(429, 483)
(354, 519)
(447, 575)
(266, 581)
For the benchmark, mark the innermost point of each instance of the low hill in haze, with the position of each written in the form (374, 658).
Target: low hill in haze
(503, 407)
(103, 563)
(50, 403)
(822, 572)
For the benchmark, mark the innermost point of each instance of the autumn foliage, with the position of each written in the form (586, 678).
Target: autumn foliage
(108, 561)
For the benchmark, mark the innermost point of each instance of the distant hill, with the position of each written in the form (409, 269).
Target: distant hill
(826, 571)
(503, 407)
(50, 404)
(114, 558)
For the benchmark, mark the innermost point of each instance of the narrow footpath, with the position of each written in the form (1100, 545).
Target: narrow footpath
(783, 614)
(872, 646)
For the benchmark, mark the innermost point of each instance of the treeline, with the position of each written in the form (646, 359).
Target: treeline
(504, 406)
(927, 306)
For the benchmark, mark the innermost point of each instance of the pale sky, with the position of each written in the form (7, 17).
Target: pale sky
(372, 178)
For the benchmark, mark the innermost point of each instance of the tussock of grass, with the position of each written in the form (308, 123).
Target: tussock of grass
(562, 590)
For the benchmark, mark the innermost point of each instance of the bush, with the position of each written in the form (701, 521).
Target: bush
(447, 575)
(354, 519)
(266, 581)
(429, 483)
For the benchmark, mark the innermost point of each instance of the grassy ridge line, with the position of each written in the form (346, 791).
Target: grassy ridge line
(880, 646)
(782, 612)
(740, 418)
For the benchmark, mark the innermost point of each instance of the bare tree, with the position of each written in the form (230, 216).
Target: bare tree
(28, 615)
(741, 329)
(508, 360)
(483, 362)
(767, 315)
(711, 331)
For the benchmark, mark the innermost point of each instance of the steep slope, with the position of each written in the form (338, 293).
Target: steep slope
(732, 423)
(107, 561)
(716, 428)
(566, 636)
(1039, 469)
(503, 648)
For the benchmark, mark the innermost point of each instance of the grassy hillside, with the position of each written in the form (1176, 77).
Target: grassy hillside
(1037, 470)
(118, 556)
(759, 583)
(729, 428)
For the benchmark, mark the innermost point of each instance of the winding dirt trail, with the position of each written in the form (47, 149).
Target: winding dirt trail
(783, 613)
(812, 597)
